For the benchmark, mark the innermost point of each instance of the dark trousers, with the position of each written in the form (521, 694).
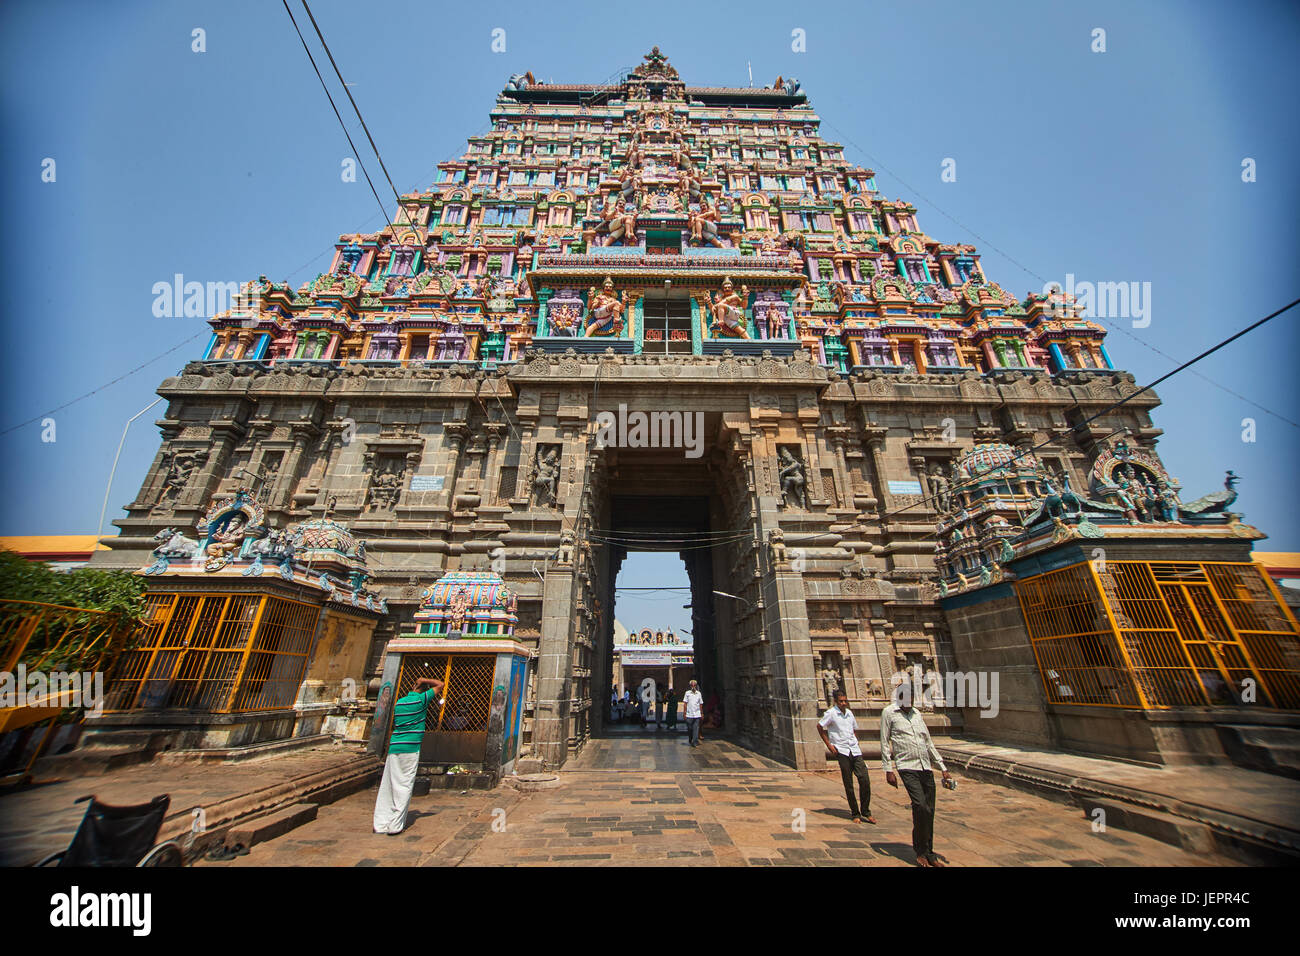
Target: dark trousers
(920, 789)
(693, 729)
(851, 767)
(672, 715)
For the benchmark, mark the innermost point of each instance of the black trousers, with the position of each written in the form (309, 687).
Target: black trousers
(851, 767)
(920, 789)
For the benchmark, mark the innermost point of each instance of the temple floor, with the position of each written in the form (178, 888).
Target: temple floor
(726, 806)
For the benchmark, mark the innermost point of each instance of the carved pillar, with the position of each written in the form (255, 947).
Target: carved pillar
(456, 433)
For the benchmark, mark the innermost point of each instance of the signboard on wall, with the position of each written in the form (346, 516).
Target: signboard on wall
(645, 659)
(904, 487)
(427, 482)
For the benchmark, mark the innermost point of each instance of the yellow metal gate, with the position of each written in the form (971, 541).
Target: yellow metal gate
(1162, 634)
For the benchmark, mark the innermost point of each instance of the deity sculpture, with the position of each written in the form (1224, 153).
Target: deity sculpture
(547, 474)
(830, 680)
(605, 310)
(940, 490)
(183, 466)
(777, 549)
(563, 320)
(223, 544)
(792, 480)
(729, 312)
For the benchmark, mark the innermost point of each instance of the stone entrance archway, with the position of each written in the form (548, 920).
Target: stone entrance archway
(743, 498)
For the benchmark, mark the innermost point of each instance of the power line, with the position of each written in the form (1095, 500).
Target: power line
(338, 116)
(355, 108)
(93, 391)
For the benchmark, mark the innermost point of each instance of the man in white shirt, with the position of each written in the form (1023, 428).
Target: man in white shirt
(694, 702)
(906, 747)
(839, 730)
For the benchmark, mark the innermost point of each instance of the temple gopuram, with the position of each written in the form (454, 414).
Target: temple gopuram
(866, 399)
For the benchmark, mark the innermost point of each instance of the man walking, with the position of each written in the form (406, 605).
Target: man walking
(694, 702)
(404, 755)
(839, 731)
(906, 747)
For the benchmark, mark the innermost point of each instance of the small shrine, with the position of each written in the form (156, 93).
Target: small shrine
(1121, 620)
(253, 634)
(463, 635)
(468, 603)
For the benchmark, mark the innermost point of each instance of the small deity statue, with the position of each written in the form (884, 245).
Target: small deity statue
(183, 466)
(563, 320)
(792, 480)
(605, 310)
(940, 489)
(777, 549)
(830, 680)
(704, 222)
(547, 475)
(224, 543)
(729, 312)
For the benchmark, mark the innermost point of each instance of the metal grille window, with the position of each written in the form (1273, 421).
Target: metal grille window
(467, 692)
(1162, 634)
(666, 325)
(220, 653)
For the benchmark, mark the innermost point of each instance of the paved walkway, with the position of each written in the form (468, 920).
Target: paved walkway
(39, 820)
(1265, 806)
(724, 807)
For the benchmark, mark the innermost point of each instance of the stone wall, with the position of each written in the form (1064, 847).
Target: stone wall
(438, 468)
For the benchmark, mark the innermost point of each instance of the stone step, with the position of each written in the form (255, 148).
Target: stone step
(1273, 749)
(248, 752)
(268, 827)
(90, 762)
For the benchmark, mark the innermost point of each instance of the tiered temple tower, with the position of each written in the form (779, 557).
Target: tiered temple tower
(680, 250)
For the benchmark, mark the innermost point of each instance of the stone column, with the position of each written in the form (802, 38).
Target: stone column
(554, 690)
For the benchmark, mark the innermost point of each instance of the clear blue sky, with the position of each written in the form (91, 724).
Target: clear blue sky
(223, 165)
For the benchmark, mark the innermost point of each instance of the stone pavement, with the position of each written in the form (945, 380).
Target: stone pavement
(42, 819)
(1257, 813)
(635, 801)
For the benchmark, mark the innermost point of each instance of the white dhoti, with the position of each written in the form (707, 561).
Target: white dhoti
(395, 792)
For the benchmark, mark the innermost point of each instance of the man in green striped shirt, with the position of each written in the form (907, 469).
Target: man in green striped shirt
(404, 755)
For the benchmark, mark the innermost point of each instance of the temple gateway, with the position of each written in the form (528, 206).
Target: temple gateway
(395, 469)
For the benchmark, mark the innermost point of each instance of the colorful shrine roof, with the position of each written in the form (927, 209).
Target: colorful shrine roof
(471, 602)
(666, 190)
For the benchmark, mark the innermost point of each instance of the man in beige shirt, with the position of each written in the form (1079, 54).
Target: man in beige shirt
(907, 751)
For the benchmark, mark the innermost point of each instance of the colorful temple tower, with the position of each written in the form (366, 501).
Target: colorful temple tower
(691, 251)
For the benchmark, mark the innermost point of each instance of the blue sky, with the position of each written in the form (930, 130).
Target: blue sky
(223, 165)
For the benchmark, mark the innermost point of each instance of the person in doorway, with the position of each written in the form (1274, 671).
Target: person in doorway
(615, 705)
(839, 732)
(694, 702)
(644, 704)
(907, 751)
(404, 755)
(670, 705)
(659, 708)
(628, 704)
